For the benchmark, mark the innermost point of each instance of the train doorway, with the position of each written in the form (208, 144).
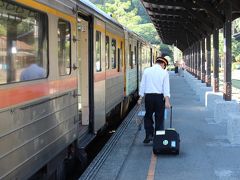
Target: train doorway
(83, 70)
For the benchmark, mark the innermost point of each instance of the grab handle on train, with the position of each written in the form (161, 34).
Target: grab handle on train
(75, 94)
(74, 67)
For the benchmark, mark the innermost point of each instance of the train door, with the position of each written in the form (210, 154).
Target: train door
(151, 57)
(83, 70)
(138, 63)
(99, 74)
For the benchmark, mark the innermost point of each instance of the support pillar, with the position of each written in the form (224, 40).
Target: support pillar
(191, 59)
(208, 73)
(199, 60)
(203, 60)
(227, 85)
(195, 60)
(216, 60)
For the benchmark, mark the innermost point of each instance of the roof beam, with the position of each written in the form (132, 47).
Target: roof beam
(236, 4)
(169, 3)
(184, 14)
(188, 5)
(181, 32)
(179, 21)
(203, 20)
(188, 27)
(189, 40)
(211, 10)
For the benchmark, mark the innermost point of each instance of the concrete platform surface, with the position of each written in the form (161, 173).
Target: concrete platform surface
(205, 152)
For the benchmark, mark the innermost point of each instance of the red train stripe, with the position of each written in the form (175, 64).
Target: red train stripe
(21, 94)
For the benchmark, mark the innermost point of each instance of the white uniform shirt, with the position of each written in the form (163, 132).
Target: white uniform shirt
(155, 80)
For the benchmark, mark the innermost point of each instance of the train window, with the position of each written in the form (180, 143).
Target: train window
(23, 43)
(114, 53)
(64, 47)
(130, 57)
(98, 51)
(119, 59)
(135, 56)
(107, 52)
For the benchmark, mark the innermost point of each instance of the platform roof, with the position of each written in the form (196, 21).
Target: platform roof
(183, 22)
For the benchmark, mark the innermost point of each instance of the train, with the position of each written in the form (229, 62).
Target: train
(65, 68)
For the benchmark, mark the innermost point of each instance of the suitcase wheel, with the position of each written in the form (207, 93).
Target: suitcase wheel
(155, 152)
(177, 152)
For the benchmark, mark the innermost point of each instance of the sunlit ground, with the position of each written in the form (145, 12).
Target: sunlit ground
(235, 84)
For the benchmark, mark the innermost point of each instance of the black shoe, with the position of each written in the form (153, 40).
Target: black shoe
(147, 139)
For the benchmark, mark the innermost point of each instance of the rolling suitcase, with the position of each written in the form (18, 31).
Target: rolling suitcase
(166, 141)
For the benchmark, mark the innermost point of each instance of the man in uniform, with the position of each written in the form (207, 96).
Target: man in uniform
(156, 89)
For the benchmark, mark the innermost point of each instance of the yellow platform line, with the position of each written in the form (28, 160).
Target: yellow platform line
(152, 166)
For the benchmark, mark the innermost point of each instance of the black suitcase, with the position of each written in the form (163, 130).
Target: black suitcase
(166, 141)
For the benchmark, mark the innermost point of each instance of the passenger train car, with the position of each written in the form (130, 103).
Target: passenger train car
(65, 67)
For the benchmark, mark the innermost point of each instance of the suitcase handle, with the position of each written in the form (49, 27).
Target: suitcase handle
(171, 117)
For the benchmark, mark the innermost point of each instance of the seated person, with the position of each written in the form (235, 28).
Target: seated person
(33, 71)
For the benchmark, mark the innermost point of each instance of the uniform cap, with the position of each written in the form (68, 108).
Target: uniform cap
(162, 59)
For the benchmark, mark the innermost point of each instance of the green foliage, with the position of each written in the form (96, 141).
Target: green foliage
(141, 11)
(236, 65)
(236, 25)
(171, 68)
(166, 50)
(236, 50)
(132, 15)
(118, 11)
(3, 31)
(237, 58)
(147, 31)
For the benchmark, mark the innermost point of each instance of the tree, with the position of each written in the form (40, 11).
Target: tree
(132, 15)
(3, 30)
(166, 51)
(141, 11)
(126, 13)
(118, 11)
(148, 32)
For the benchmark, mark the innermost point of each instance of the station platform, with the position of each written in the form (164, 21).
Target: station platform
(205, 153)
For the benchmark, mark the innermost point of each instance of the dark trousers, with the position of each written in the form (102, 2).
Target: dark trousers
(154, 103)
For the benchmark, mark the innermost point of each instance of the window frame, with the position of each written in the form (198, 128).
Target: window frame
(130, 57)
(135, 56)
(114, 66)
(122, 55)
(46, 26)
(118, 59)
(100, 43)
(70, 49)
(107, 58)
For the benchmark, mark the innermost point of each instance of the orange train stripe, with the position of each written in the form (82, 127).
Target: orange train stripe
(100, 76)
(112, 73)
(22, 94)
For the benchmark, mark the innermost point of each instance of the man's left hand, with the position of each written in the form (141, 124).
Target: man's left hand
(139, 101)
(167, 103)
